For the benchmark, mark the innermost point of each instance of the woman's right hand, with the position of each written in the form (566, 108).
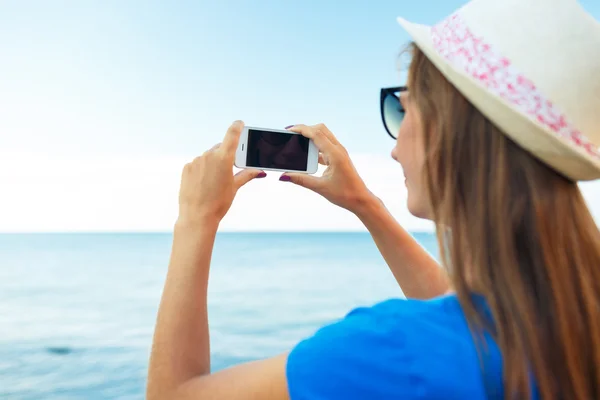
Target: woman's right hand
(340, 183)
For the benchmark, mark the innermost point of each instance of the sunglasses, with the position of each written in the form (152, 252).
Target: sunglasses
(392, 112)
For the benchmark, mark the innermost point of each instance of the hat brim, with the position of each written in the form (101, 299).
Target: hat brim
(562, 155)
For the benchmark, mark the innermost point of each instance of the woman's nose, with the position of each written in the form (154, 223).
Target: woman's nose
(394, 156)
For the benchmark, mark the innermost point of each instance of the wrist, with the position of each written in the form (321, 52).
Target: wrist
(197, 219)
(197, 223)
(192, 249)
(367, 205)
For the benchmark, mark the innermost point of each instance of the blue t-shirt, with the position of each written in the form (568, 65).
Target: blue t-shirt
(398, 349)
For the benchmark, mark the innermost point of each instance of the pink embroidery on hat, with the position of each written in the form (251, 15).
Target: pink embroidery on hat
(454, 40)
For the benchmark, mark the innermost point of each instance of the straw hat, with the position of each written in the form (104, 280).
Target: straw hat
(533, 68)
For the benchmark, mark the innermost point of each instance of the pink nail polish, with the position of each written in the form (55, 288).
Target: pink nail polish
(285, 178)
(288, 127)
(262, 175)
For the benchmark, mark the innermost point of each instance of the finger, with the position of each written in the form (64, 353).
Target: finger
(317, 136)
(246, 175)
(232, 138)
(327, 133)
(187, 168)
(215, 147)
(322, 159)
(308, 181)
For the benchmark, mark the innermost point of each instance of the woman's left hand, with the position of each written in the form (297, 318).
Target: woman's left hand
(208, 185)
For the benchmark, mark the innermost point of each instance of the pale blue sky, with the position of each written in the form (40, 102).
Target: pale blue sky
(116, 79)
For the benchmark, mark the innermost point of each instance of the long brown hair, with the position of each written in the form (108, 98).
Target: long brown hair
(521, 235)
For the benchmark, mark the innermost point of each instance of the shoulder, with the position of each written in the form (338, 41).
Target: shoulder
(399, 347)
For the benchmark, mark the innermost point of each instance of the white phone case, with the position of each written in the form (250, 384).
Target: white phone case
(241, 152)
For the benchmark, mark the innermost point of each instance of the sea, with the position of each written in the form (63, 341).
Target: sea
(77, 311)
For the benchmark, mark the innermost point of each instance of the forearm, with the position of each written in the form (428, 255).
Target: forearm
(417, 273)
(181, 346)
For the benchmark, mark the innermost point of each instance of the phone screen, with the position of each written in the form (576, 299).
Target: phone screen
(267, 149)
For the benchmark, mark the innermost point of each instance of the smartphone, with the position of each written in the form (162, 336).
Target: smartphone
(276, 150)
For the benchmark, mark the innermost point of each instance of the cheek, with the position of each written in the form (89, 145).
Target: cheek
(410, 154)
(404, 151)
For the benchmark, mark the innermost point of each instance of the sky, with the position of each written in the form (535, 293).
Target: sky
(103, 102)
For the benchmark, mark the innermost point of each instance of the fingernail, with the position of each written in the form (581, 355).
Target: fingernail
(285, 178)
(262, 175)
(290, 126)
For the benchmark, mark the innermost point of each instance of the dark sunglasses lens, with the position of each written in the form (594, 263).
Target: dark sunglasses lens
(393, 114)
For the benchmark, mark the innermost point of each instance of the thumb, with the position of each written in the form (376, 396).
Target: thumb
(246, 175)
(308, 181)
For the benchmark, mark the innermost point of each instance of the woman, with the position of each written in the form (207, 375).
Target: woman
(491, 154)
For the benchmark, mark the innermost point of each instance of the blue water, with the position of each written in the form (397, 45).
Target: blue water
(77, 311)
